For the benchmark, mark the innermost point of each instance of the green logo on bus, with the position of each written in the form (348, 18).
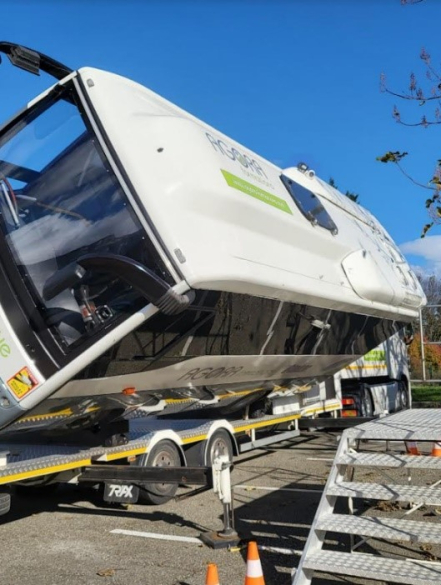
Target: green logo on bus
(376, 355)
(5, 350)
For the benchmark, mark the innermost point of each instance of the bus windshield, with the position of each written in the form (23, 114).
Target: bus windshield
(59, 200)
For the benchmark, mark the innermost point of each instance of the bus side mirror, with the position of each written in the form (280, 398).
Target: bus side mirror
(146, 282)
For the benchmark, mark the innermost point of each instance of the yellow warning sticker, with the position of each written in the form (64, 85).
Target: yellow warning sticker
(22, 383)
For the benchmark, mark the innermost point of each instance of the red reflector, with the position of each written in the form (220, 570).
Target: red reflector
(129, 391)
(347, 401)
(349, 413)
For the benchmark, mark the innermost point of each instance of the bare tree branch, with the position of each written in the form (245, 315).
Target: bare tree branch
(412, 180)
(417, 94)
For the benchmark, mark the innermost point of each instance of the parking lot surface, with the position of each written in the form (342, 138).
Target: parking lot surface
(70, 539)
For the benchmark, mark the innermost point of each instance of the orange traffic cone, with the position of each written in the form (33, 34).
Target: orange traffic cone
(436, 449)
(411, 448)
(212, 577)
(254, 574)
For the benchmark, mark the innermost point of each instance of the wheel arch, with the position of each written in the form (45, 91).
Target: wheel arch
(405, 380)
(226, 426)
(165, 435)
(196, 450)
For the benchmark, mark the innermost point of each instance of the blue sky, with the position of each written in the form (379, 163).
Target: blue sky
(291, 79)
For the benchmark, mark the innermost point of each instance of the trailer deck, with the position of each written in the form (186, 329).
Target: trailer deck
(20, 462)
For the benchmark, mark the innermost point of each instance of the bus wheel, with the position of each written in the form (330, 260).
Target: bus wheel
(366, 407)
(163, 454)
(218, 444)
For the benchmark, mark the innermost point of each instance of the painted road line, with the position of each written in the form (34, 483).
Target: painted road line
(302, 525)
(319, 459)
(274, 489)
(282, 551)
(157, 536)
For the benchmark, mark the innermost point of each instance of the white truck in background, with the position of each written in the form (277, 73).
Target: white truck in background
(376, 384)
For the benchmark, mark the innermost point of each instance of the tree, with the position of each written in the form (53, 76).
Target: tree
(432, 316)
(424, 94)
(432, 331)
(432, 354)
(352, 196)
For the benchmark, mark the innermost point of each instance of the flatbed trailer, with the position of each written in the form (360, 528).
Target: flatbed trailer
(188, 444)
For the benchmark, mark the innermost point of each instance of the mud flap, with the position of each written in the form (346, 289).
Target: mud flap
(123, 493)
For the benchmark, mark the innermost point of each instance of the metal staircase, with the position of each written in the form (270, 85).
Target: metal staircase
(375, 449)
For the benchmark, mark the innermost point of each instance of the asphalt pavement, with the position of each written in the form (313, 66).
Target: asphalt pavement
(73, 538)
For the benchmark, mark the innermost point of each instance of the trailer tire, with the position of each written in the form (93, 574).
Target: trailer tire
(366, 406)
(163, 454)
(219, 443)
(5, 500)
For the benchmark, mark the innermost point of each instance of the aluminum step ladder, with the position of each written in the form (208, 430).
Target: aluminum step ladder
(352, 459)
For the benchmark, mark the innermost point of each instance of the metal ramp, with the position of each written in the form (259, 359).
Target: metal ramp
(377, 450)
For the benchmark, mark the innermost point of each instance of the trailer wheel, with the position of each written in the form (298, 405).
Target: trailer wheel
(366, 407)
(163, 454)
(218, 444)
(5, 500)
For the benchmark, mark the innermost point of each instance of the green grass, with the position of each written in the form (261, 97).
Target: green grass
(429, 393)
